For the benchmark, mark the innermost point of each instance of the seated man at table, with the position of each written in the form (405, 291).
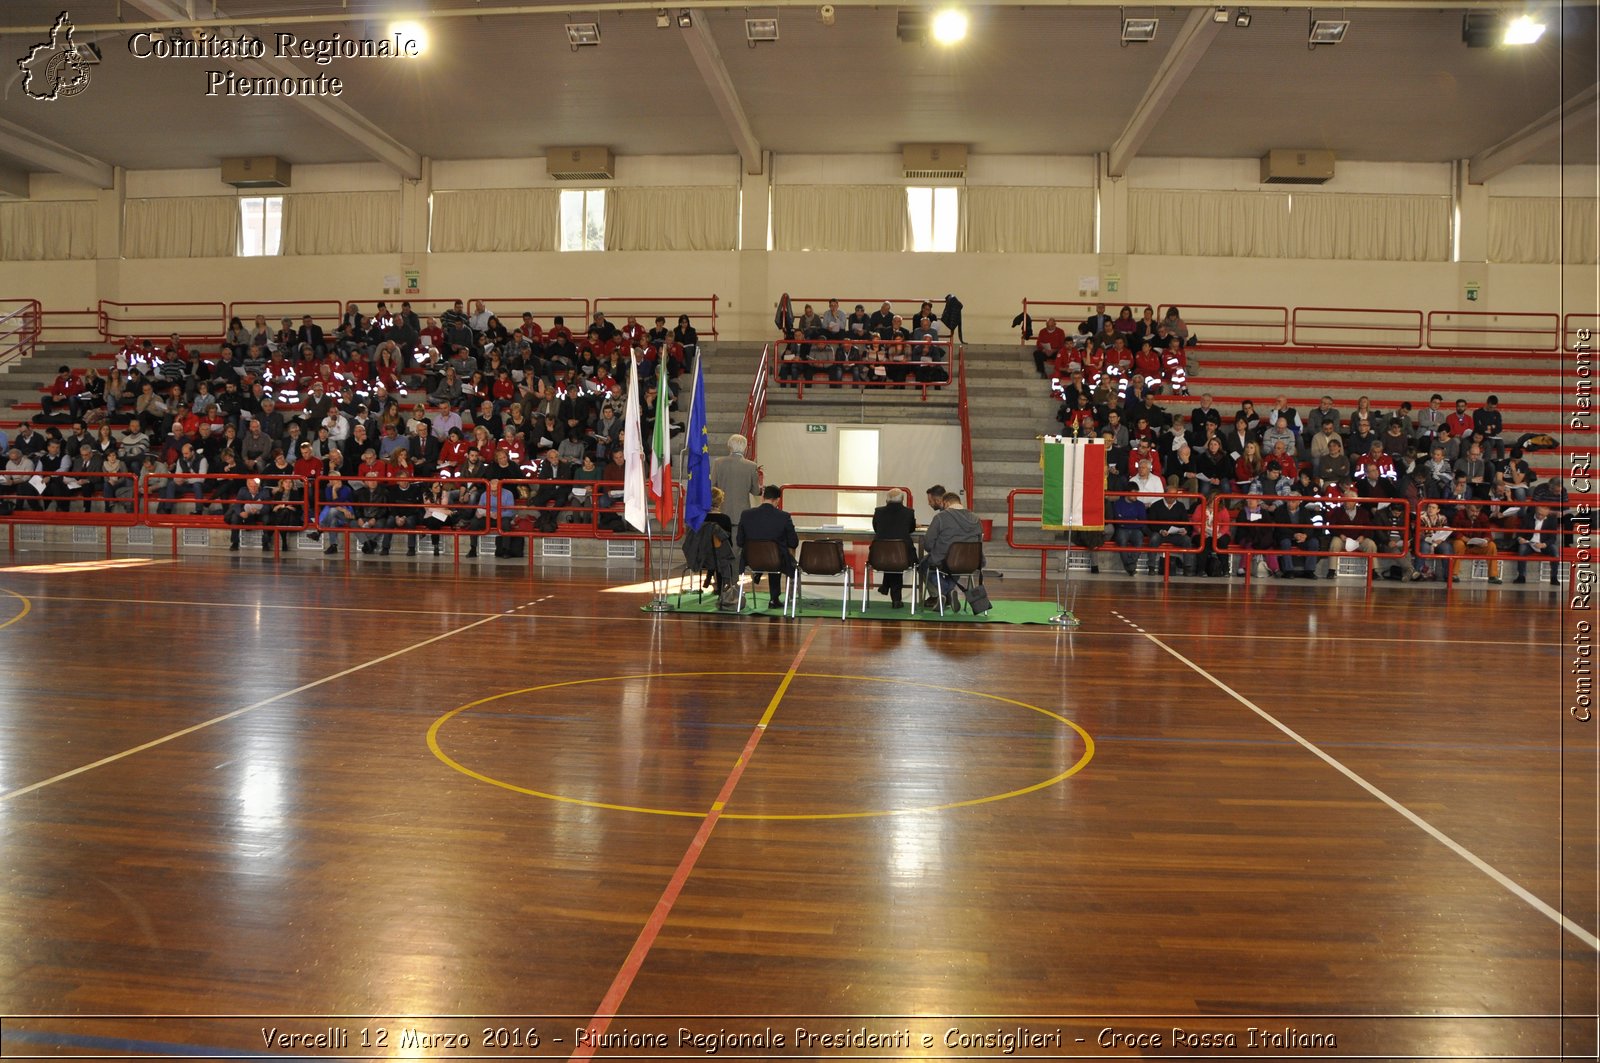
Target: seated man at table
(895, 520)
(768, 523)
(954, 523)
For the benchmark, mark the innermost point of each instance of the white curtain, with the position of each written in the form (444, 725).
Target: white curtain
(1543, 229)
(839, 218)
(672, 219)
(496, 219)
(181, 227)
(1375, 227)
(38, 232)
(341, 223)
(1209, 224)
(1040, 220)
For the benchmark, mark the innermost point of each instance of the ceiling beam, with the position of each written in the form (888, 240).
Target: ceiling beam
(46, 154)
(703, 49)
(330, 111)
(1194, 37)
(1532, 138)
(418, 11)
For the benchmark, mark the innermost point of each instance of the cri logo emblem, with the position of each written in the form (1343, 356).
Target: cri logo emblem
(55, 68)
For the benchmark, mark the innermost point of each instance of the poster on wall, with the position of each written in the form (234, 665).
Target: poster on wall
(391, 284)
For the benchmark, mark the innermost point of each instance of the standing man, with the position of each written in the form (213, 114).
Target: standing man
(895, 520)
(737, 476)
(768, 523)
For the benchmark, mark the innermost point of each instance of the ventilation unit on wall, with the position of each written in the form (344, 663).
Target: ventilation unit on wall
(1288, 167)
(258, 171)
(580, 164)
(934, 160)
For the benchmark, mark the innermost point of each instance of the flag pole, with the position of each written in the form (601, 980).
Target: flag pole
(660, 568)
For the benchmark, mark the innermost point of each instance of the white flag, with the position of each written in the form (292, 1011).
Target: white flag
(634, 509)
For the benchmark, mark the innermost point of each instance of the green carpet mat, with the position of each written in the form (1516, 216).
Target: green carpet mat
(1004, 611)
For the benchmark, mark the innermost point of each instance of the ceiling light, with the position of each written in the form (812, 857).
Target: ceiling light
(684, 19)
(1242, 19)
(405, 33)
(583, 34)
(760, 29)
(1327, 31)
(825, 14)
(1220, 15)
(1523, 30)
(950, 26)
(663, 18)
(1139, 29)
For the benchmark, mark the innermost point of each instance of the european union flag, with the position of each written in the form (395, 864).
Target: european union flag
(697, 486)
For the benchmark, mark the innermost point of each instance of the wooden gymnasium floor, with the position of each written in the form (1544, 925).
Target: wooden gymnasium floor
(1210, 808)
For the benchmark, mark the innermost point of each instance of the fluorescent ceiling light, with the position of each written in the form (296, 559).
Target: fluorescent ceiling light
(582, 34)
(1523, 30)
(1139, 29)
(950, 26)
(760, 29)
(1328, 31)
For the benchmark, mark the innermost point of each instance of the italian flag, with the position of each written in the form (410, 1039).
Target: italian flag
(1074, 484)
(661, 449)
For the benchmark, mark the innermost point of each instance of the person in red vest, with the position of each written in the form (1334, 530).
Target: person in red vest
(1051, 341)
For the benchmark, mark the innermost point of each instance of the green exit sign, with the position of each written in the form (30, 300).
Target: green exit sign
(816, 428)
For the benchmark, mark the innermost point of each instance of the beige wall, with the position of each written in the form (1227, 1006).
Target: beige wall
(749, 282)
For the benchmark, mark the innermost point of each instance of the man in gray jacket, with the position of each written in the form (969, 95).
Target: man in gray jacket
(737, 476)
(954, 523)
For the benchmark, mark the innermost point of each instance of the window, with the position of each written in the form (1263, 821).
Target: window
(583, 219)
(935, 217)
(260, 225)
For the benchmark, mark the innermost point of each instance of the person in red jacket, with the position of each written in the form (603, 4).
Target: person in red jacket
(1052, 340)
(1460, 422)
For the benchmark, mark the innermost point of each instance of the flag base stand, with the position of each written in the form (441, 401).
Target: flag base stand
(1065, 618)
(658, 605)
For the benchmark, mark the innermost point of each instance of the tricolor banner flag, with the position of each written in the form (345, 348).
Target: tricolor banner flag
(1074, 484)
(660, 486)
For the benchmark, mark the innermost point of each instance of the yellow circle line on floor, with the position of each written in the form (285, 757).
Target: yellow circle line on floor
(27, 607)
(433, 744)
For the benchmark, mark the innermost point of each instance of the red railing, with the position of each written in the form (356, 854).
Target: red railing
(72, 326)
(791, 370)
(1493, 330)
(701, 309)
(1390, 534)
(1579, 329)
(837, 490)
(1194, 519)
(966, 430)
(1457, 547)
(907, 308)
(1241, 325)
(19, 328)
(544, 308)
(193, 322)
(1332, 326)
(755, 406)
(324, 312)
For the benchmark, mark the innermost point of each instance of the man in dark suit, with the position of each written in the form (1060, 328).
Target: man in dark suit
(1095, 322)
(768, 523)
(895, 520)
(1539, 536)
(311, 333)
